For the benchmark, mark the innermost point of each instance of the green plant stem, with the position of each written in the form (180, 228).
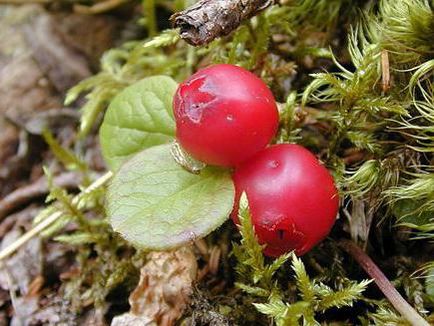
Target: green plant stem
(38, 228)
(389, 291)
(340, 133)
(191, 59)
(149, 7)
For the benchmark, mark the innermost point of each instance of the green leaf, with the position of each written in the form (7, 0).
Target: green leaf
(139, 117)
(342, 297)
(157, 205)
(284, 314)
(304, 284)
(77, 238)
(275, 265)
(252, 290)
(275, 309)
(250, 253)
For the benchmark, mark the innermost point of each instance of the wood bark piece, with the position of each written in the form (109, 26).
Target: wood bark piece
(209, 19)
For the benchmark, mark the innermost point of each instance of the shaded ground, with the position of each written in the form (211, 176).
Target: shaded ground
(41, 56)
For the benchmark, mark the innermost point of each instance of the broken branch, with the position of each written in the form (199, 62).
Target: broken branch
(208, 19)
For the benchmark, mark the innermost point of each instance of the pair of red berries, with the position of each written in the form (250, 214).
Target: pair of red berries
(226, 116)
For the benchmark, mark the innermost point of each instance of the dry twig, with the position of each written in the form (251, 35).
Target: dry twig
(209, 19)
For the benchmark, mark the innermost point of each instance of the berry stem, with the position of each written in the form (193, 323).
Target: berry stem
(389, 291)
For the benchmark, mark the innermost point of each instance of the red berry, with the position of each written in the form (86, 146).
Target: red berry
(292, 198)
(224, 114)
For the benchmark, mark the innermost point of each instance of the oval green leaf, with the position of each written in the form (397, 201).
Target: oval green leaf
(139, 117)
(157, 205)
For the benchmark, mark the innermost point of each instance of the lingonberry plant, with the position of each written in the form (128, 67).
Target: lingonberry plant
(224, 114)
(292, 197)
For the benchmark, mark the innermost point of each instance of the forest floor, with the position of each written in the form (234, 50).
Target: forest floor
(45, 50)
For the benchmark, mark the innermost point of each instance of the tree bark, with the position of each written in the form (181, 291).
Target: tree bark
(208, 19)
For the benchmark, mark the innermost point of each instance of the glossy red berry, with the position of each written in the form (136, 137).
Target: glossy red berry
(224, 114)
(292, 198)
